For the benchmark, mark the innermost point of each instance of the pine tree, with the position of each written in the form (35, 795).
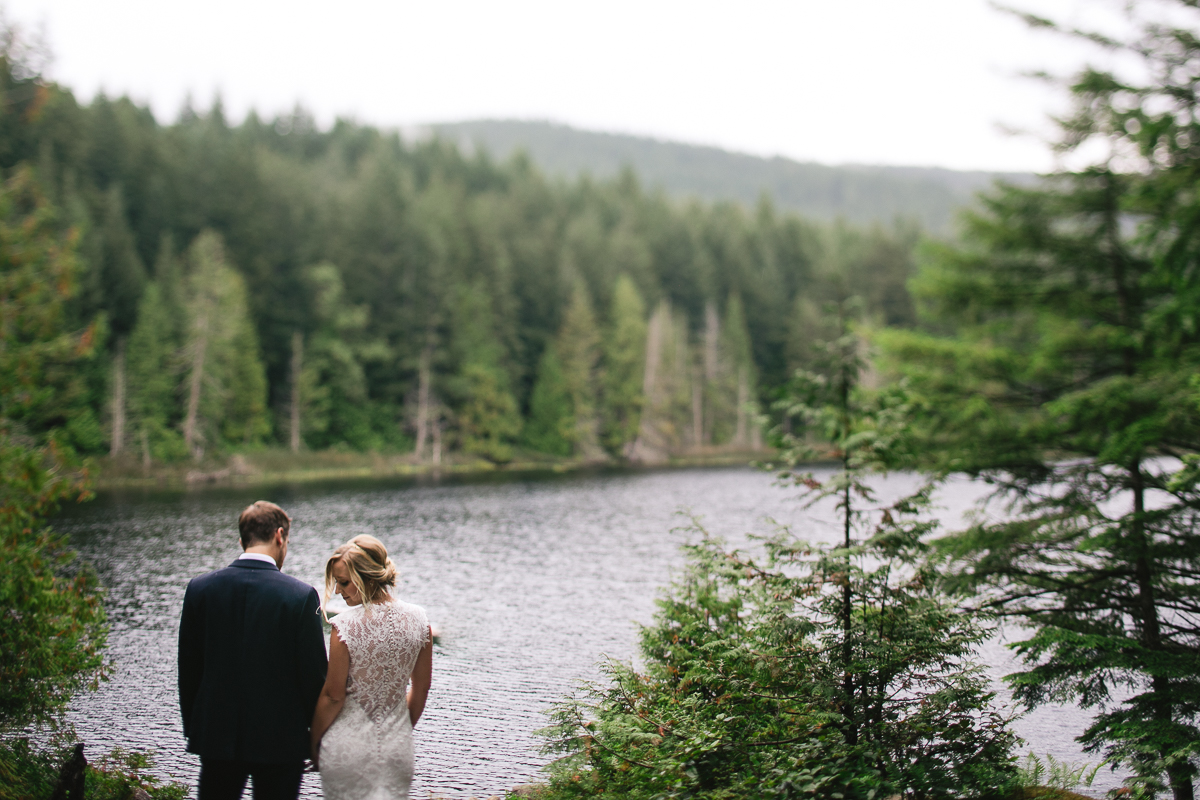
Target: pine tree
(244, 416)
(119, 273)
(154, 358)
(1068, 383)
(851, 675)
(53, 635)
(153, 369)
(226, 385)
(624, 367)
(333, 390)
(739, 376)
(551, 424)
(487, 417)
(667, 413)
(578, 347)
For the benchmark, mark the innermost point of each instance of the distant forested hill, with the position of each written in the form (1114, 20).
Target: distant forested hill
(855, 193)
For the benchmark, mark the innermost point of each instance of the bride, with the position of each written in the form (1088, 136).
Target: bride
(362, 728)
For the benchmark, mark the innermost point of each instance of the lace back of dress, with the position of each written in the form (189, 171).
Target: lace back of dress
(384, 642)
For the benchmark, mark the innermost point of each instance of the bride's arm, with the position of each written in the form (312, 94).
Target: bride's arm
(422, 676)
(333, 694)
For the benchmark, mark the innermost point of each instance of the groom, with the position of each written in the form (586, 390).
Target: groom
(251, 664)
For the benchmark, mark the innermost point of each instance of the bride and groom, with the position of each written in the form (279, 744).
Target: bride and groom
(258, 693)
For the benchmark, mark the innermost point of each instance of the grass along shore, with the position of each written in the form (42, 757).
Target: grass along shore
(275, 466)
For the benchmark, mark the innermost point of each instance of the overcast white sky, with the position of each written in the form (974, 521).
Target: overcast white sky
(915, 82)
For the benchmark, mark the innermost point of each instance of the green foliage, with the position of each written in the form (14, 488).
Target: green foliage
(155, 361)
(743, 695)
(1034, 771)
(487, 414)
(25, 772)
(42, 393)
(578, 349)
(733, 389)
(227, 391)
(808, 671)
(1058, 366)
(53, 625)
(116, 275)
(551, 425)
(120, 773)
(31, 774)
(624, 355)
(489, 420)
(52, 631)
(406, 228)
(336, 406)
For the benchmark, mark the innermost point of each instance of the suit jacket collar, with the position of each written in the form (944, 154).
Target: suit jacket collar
(253, 563)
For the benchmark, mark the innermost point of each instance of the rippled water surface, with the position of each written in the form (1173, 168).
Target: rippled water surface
(531, 582)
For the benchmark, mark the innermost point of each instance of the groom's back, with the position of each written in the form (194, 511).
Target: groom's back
(251, 663)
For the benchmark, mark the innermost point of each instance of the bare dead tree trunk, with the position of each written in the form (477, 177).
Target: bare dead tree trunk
(196, 383)
(437, 439)
(145, 452)
(697, 407)
(641, 448)
(118, 400)
(423, 370)
(297, 367)
(712, 365)
(743, 400)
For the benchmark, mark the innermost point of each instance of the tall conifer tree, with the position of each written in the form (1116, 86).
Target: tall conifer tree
(226, 395)
(624, 367)
(488, 419)
(551, 425)
(578, 348)
(1069, 385)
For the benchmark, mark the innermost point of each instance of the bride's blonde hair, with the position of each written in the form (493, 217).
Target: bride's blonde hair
(371, 571)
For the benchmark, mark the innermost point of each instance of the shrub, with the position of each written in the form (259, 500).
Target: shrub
(30, 773)
(753, 686)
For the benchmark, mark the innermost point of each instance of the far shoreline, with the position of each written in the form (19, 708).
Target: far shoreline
(278, 467)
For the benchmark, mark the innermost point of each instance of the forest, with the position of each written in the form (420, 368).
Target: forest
(174, 293)
(270, 284)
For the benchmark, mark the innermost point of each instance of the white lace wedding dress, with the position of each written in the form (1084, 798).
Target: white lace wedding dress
(367, 753)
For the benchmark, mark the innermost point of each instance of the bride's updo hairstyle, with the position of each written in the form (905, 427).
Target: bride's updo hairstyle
(371, 571)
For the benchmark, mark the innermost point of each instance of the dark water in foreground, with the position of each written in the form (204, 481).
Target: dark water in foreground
(531, 583)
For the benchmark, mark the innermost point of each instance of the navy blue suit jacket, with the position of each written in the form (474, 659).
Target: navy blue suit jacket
(251, 664)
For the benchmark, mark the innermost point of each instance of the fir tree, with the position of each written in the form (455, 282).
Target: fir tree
(578, 347)
(118, 272)
(551, 425)
(738, 377)
(1068, 384)
(226, 385)
(53, 633)
(488, 419)
(334, 405)
(624, 350)
(154, 356)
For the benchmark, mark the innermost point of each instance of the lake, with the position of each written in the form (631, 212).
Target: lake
(531, 581)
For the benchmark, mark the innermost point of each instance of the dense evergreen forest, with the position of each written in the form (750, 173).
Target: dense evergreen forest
(271, 283)
(171, 292)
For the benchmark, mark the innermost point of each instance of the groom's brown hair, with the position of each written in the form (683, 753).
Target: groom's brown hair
(259, 522)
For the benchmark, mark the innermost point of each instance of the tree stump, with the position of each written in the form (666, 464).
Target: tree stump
(70, 777)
